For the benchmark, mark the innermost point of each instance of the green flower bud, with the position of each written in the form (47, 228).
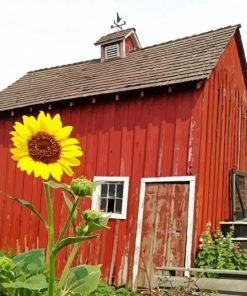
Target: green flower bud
(6, 263)
(82, 187)
(79, 229)
(92, 216)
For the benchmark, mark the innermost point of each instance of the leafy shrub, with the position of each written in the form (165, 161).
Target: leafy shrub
(220, 252)
(124, 292)
(6, 266)
(105, 290)
(23, 274)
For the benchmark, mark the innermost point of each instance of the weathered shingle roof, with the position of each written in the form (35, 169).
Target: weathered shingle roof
(114, 36)
(183, 60)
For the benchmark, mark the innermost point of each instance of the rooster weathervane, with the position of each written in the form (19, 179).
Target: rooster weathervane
(117, 23)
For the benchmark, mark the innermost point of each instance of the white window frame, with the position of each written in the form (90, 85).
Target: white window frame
(96, 195)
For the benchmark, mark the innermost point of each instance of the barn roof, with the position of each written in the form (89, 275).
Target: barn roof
(114, 36)
(183, 60)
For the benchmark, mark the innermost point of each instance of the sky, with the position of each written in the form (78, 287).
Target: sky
(37, 34)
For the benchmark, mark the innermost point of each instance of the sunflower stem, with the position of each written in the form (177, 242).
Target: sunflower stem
(51, 256)
(67, 268)
(70, 217)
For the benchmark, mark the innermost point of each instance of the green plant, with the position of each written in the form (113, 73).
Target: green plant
(220, 252)
(23, 274)
(124, 292)
(80, 280)
(103, 290)
(42, 146)
(6, 266)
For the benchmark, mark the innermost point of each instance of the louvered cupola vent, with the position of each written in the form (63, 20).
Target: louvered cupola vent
(112, 51)
(118, 44)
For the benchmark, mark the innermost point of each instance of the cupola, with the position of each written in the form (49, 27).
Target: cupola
(118, 44)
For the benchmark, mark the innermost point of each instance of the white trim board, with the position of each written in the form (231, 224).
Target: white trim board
(188, 249)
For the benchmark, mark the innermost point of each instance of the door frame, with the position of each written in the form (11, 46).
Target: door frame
(188, 249)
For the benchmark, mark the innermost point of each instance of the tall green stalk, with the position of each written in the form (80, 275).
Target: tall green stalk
(69, 219)
(51, 257)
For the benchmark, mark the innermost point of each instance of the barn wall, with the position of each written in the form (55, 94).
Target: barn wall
(160, 135)
(223, 139)
(142, 137)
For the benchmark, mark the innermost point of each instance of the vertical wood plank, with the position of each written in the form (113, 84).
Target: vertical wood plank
(5, 202)
(9, 188)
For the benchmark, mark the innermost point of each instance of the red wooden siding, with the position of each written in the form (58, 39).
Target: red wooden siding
(142, 137)
(129, 45)
(223, 139)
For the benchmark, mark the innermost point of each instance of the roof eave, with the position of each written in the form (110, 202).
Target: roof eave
(241, 53)
(107, 92)
(109, 41)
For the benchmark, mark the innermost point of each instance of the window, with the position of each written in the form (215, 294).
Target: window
(238, 194)
(110, 196)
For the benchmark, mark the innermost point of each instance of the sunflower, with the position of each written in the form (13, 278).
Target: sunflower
(42, 146)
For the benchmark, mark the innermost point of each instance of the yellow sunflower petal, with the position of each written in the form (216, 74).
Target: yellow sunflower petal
(55, 124)
(42, 120)
(17, 150)
(73, 153)
(26, 164)
(44, 170)
(40, 169)
(17, 154)
(65, 167)
(63, 133)
(31, 123)
(71, 148)
(69, 142)
(56, 171)
(19, 142)
(29, 167)
(71, 161)
(22, 130)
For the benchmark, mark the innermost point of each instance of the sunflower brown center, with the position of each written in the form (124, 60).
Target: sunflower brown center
(43, 147)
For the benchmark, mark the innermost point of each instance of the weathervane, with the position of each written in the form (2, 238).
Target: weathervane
(117, 23)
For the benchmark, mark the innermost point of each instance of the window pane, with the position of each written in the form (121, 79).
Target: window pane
(103, 203)
(120, 190)
(118, 208)
(104, 188)
(112, 189)
(110, 208)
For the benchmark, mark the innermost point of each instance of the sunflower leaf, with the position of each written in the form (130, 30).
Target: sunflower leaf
(81, 280)
(55, 185)
(70, 206)
(71, 217)
(28, 205)
(70, 240)
(36, 282)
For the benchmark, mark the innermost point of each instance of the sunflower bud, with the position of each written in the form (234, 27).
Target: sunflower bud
(80, 229)
(82, 187)
(92, 216)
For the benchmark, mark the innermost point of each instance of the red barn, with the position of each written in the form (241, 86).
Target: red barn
(162, 125)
